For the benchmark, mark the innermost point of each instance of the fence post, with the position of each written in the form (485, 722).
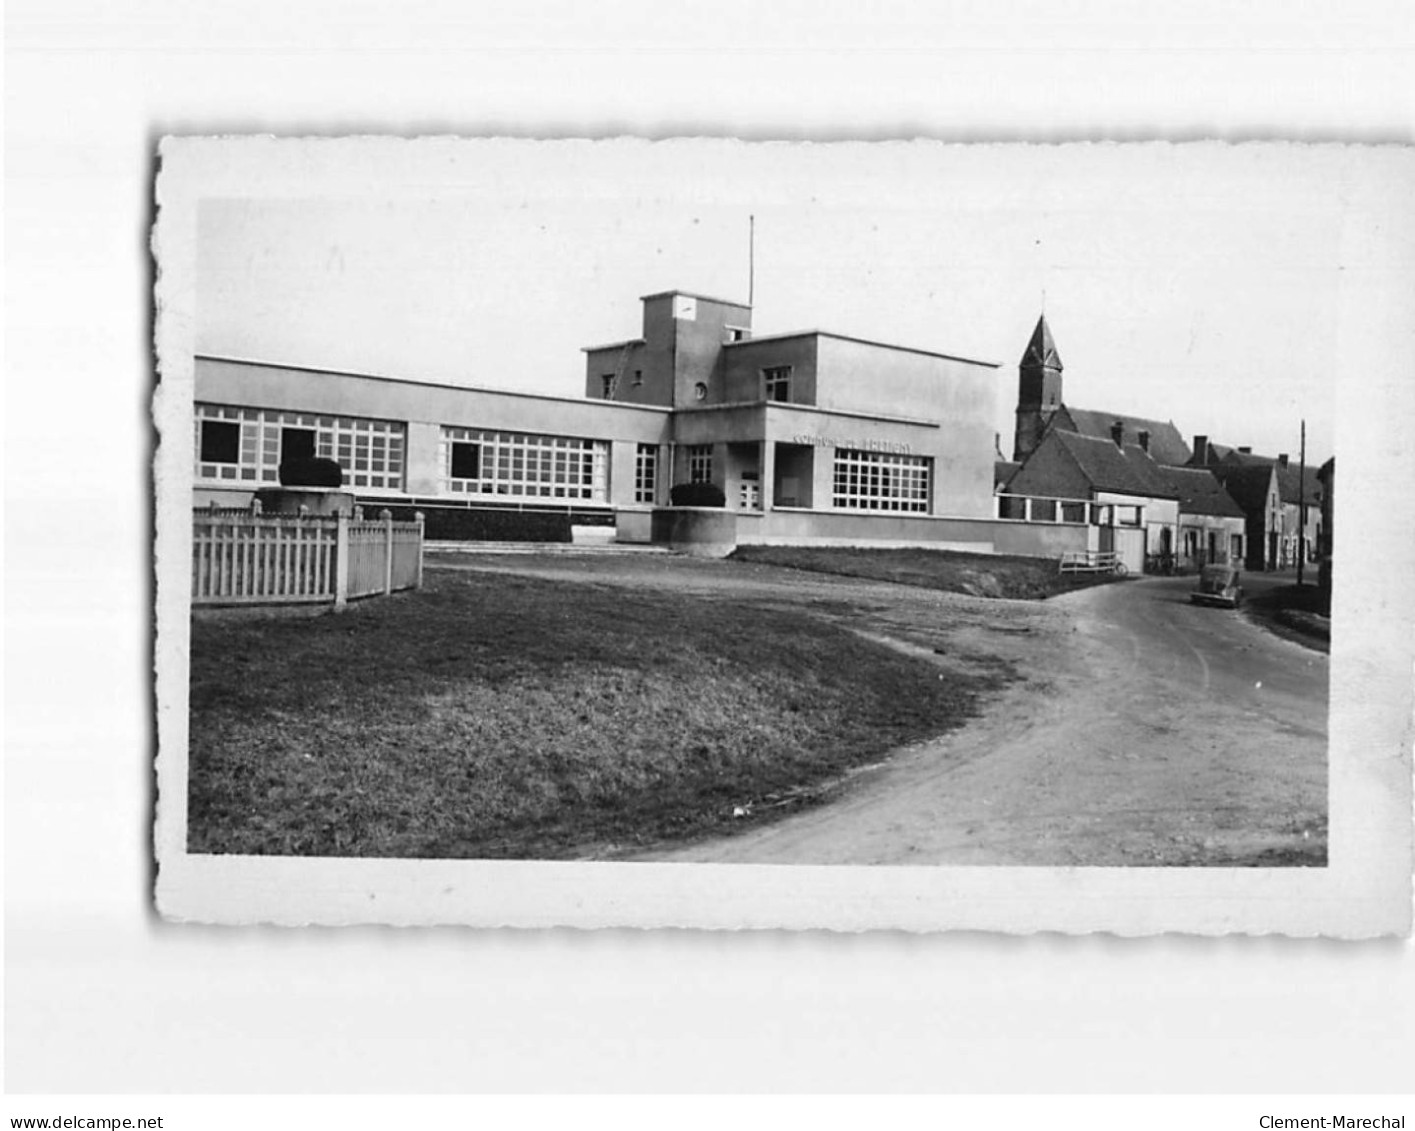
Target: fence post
(418, 576)
(341, 560)
(387, 516)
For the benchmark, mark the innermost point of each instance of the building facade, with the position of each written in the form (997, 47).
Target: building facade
(812, 436)
(1291, 530)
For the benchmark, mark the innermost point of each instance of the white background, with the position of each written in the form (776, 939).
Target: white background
(101, 997)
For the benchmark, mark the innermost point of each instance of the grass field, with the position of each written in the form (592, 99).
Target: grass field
(980, 575)
(491, 715)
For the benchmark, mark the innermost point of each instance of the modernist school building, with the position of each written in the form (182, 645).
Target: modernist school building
(812, 436)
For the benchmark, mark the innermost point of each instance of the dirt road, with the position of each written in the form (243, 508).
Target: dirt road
(1143, 730)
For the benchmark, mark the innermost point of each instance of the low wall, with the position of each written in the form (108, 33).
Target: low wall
(709, 532)
(1040, 539)
(633, 526)
(790, 527)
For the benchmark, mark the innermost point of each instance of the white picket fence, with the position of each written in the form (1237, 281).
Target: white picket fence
(246, 558)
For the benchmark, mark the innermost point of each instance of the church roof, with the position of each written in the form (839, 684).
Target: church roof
(1003, 470)
(1200, 492)
(1041, 350)
(1167, 446)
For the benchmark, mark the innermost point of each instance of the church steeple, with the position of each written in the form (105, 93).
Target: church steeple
(1038, 389)
(1041, 350)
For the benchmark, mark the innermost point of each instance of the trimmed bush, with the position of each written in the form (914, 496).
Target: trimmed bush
(311, 472)
(697, 495)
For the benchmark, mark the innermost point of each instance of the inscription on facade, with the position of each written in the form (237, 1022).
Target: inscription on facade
(852, 443)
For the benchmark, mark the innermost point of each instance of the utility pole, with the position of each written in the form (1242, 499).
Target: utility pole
(751, 259)
(1302, 509)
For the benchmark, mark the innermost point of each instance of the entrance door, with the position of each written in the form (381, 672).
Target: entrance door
(749, 492)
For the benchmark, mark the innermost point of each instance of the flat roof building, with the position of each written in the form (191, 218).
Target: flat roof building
(812, 436)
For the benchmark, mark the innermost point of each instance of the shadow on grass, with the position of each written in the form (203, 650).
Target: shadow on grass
(977, 575)
(499, 716)
(1296, 612)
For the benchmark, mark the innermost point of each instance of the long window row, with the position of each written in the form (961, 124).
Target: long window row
(478, 462)
(881, 481)
(246, 446)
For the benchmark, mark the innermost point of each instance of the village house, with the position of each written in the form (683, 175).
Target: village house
(1135, 506)
(1211, 523)
(1254, 488)
(1327, 477)
(1296, 530)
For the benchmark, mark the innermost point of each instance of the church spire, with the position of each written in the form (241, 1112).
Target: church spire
(1041, 350)
(1038, 390)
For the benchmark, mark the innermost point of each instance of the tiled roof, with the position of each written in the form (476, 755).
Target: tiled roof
(1247, 484)
(1289, 478)
(1109, 468)
(1200, 492)
(1167, 446)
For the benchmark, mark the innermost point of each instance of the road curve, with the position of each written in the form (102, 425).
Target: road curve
(1145, 731)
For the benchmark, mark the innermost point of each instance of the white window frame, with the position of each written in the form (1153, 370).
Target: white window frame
(777, 375)
(881, 481)
(700, 463)
(371, 453)
(646, 473)
(529, 466)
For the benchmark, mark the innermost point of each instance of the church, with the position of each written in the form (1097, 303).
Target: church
(1153, 508)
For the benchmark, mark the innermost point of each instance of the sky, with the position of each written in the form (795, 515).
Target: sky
(1192, 284)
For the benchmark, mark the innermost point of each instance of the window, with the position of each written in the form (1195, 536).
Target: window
(607, 385)
(778, 382)
(518, 465)
(466, 460)
(296, 443)
(220, 442)
(881, 481)
(737, 333)
(700, 391)
(638, 377)
(645, 473)
(700, 463)
(246, 445)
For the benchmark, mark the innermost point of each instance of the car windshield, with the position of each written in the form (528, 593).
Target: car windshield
(1218, 575)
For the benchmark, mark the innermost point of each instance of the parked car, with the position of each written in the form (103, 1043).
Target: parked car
(1218, 585)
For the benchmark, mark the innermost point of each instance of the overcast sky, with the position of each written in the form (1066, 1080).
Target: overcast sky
(1193, 284)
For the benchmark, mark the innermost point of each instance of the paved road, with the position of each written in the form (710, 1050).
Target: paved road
(1147, 731)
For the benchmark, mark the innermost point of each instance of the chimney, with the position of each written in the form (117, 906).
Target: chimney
(1282, 460)
(1245, 451)
(1117, 433)
(1145, 440)
(1201, 451)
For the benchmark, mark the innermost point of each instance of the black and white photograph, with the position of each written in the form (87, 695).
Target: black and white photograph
(707, 503)
(560, 557)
